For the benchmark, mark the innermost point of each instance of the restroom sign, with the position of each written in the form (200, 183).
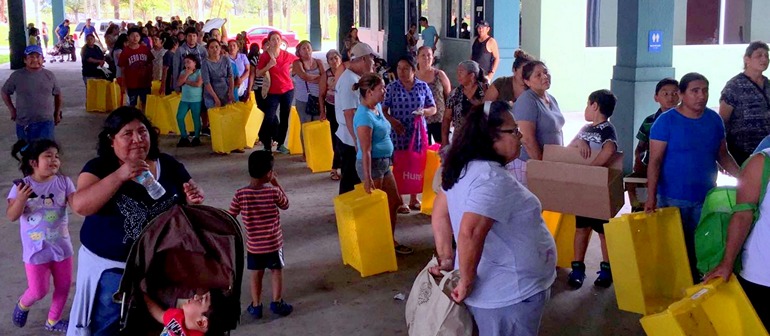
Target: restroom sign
(655, 41)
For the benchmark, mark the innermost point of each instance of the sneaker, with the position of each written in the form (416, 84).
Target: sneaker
(281, 308)
(59, 327)
(403, 249)
(196, 141)
(577, 275)
(255, 312)
(206, 131)
(184, 142)
(19, 316)
(605, 275)
(283, 150)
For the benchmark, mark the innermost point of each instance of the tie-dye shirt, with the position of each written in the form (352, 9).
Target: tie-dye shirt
(44, 225)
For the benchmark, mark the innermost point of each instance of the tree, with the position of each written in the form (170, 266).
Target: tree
(75, 6)
(3, 8)
(269, 12)
(115, 9)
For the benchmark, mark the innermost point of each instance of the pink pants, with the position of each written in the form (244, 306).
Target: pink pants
(38, 280)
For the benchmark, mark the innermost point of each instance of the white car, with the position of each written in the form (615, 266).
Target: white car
(101, 28)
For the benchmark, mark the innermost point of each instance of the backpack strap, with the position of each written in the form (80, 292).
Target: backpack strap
(762, 187)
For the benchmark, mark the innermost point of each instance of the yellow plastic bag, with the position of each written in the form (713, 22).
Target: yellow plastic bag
(432, 162)
(254, 118)
(319, 154)
(649, 260)
(100, 95)
(716, 308)
(155, 107)
(112, 96)
(155, 89)
(562, 228)
(293, 142)
(226, 129)
(363, 223)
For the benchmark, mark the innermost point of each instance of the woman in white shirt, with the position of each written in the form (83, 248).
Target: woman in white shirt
(505, 254)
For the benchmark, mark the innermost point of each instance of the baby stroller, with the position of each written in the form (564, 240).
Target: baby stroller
(181, 252)
(61, 49)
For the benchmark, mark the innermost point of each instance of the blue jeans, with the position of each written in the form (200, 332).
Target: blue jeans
(34, 131)
(690, 213)
(105, 315)
(133, 94)
(520, 319)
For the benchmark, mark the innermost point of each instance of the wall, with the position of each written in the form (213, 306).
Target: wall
(557, 36)
(372, 36)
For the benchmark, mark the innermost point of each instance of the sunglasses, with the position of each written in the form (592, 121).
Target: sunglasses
(514, 131)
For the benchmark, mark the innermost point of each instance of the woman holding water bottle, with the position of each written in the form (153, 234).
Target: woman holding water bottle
(406, 99)
(129, 183)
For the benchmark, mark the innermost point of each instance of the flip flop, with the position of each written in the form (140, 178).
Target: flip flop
(404, 210)
(416, 206)
(334, 175)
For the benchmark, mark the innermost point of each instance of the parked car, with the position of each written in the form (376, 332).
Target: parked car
(257, 34)
(101, 26)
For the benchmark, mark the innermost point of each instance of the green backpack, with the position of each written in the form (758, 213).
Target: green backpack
(718, 209)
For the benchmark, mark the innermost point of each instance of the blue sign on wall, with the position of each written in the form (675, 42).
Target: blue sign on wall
(655, 41)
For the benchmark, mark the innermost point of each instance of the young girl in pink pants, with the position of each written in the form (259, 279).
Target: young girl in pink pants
(39, 201)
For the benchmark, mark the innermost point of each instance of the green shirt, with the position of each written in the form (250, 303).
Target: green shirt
(644, 134)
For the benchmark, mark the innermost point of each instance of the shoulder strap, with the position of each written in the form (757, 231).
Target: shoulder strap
(765, 177)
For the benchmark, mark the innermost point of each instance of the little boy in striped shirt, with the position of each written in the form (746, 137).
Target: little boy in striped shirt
(258, 204)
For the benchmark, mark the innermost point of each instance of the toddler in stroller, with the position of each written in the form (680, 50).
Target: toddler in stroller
(184, 270)
(65, 47)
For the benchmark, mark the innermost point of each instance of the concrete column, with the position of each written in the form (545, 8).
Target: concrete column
(345, 21)
(57, 9)
(638, 69)
(531, 26)
(503, 16)
(315, 23)
(395, 31)
(17, 36)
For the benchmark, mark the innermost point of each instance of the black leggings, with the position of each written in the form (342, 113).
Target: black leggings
(349, 177)
(331, 116)
(760, 297)
(271, 127)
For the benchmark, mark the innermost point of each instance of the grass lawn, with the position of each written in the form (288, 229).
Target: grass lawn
(4, 35)
(5, 58)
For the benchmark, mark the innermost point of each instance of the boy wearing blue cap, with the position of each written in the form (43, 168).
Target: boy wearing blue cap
(38, 98)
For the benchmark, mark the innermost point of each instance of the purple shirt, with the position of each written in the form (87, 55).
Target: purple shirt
(241, 63)
(44, 226)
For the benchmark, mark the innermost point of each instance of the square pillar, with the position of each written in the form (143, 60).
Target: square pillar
(17, 33)
(639, 66)
(57, 9)
(345, 21)
(503, 16)
(395, 31)
(315, 23)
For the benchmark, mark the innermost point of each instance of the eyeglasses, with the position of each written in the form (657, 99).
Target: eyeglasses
(514, 131)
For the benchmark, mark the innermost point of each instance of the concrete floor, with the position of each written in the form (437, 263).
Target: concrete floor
(329, 298)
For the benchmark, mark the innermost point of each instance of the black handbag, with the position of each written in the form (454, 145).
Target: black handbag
(312, 108)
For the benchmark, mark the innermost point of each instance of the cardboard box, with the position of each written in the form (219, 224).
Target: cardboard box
(564, 182)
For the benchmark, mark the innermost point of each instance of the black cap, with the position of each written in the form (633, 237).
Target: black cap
(482, 23)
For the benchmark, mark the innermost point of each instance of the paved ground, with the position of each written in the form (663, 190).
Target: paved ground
(329, 298)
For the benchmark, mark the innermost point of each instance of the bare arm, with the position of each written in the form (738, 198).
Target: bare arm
(446, 126)
(155, 310)
(725, 111)
(365, 141)
(445, 82)
(491, 94)
(749, 188)
(93, 193)
(349, 113)
(252, 75)
(608, 150)
(210, 90)
(442, 230)
(182, 80)
(727, 161)
(470, 244)
(322, 87)
(299, 70)
(657, 153)
(245, 75)
(495, 53)
(56, 105)
(528, 132)
(8, 102)
(639, 166)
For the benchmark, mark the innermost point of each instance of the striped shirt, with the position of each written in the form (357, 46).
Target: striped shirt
(258, 207)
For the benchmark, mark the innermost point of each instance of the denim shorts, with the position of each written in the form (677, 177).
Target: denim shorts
(380, 168)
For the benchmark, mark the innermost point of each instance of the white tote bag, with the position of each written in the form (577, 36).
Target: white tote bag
(430, 310)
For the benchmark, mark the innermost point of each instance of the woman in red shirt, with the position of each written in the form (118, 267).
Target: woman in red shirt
(281, 92)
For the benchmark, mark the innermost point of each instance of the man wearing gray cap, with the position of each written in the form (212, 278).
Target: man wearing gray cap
(38, 98)
(346, 102)
(485, 51)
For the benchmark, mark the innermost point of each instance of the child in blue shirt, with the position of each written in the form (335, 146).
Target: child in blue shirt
(191, 82)
(599, 136)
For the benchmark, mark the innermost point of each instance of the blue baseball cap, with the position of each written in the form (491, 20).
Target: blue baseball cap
(33, 49)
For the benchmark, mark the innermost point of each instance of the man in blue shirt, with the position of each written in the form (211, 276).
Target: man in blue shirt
(429, 34)
(63, 29)
(686, 143)
(88, 29)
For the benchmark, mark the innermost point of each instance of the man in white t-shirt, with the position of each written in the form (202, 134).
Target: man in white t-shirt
(346, 102)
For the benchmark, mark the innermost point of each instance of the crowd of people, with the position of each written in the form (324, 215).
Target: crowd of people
(486, 222)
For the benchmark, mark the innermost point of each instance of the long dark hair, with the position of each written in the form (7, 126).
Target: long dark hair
(114, 123)
(120, 43)
(26, 152)
(474, 141)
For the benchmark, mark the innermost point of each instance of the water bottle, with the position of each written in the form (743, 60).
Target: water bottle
(151, 184)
